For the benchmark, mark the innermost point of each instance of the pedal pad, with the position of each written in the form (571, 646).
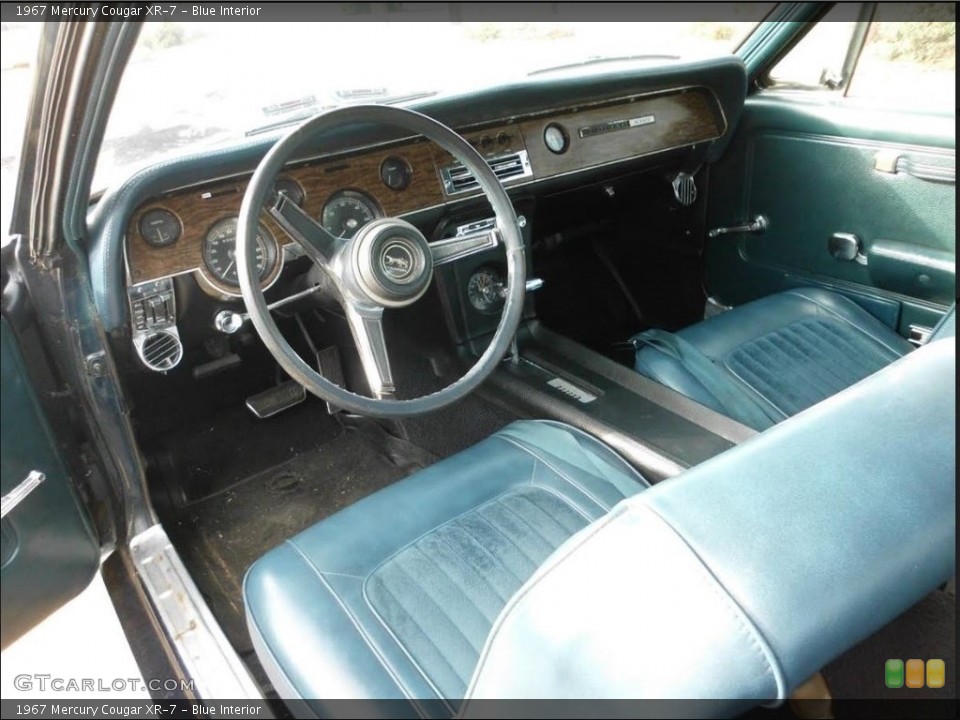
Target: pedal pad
(277, 399)
(329, 365)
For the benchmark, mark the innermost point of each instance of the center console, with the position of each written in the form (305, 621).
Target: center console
(548, 375)
(658, 430)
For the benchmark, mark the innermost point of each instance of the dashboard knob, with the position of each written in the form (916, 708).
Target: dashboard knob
(228, 321)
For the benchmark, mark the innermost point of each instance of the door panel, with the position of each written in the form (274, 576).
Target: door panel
(49, 552)
(816, 169)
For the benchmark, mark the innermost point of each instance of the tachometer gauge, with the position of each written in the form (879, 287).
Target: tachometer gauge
(219, 252)
(486, 290)
(348, 211)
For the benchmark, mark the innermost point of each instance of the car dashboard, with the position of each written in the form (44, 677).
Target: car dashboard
(193, 230)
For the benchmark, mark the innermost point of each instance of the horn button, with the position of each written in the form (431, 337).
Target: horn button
(393, 262)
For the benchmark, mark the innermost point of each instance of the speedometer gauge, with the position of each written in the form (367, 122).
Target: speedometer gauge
(219, 253)
(348, 211)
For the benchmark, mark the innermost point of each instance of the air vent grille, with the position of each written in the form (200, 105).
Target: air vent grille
(508, 167)
(161, 351)
(684, 189)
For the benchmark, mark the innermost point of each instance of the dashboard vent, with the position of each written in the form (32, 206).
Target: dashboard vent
(684, 189)
(511, 166)
(161, 351)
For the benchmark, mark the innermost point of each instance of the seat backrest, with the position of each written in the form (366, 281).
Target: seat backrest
(745, 575)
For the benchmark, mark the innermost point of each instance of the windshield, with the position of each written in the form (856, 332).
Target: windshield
(198, 84)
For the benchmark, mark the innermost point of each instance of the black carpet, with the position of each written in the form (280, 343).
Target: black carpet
(219, 537)
(205, 455)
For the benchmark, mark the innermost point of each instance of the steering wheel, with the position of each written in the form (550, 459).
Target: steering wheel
(387, 264)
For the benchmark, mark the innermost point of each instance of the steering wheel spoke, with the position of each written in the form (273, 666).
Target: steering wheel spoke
(366, 324)
(450, 249)
(318, 244)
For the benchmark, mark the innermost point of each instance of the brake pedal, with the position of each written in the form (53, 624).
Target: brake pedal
(277, 399)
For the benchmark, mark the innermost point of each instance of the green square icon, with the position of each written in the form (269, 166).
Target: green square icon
(893, 673)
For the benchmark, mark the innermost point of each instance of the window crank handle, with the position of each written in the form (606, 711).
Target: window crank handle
(757, 226)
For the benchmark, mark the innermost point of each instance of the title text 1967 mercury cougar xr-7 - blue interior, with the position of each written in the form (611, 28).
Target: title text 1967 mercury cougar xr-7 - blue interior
(434, 361)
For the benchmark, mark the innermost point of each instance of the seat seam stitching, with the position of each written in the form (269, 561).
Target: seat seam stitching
(631, 470)
(403, 648)
(535, 565)
(573, 483)
(760, 644)
(266, 644)
(526, 588)
(729, 357)
(462, 559)
(600, 446)
(526, 522)
(509, 540)
(359, 627)
(485, 550)
(452, 582)
(846, 321)
(439, 607)
(750, 387)
(541, 510)
(433, 529)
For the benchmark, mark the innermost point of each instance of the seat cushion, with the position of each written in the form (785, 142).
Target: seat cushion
(393, 597)
(738, 589)
(784, 352)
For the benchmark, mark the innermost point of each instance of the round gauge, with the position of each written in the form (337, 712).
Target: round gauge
(291, 188)
(555, 138)
(395, 173)
(219, 252)
(160, 227)
(486, 290)
(348, 211)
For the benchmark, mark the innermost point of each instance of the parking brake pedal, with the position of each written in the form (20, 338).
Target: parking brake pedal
(277, 399)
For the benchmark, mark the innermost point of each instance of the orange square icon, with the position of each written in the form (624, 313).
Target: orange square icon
(936, 672)
(914, 673)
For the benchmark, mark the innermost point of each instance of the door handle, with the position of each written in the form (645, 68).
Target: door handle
(20, 492)
(757, 226)
(846, 246)
(892, 162)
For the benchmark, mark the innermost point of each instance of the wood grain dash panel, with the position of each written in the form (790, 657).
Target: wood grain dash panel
(681, 118)
(200, 208)
(490, 142)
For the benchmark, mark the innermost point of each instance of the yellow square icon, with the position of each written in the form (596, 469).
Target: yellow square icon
(936, 673)
(914, 673)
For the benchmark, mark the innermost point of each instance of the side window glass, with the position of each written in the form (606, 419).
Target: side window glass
(909, 61)
(816, 61)
(896, 55)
